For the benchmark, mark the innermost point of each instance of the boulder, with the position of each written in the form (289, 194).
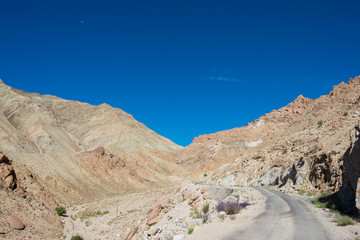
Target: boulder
(153, 214)
(153, 231)
(15, 222)
(193, 197)
(132, 233)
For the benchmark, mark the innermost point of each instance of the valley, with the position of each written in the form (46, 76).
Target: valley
(119, 179)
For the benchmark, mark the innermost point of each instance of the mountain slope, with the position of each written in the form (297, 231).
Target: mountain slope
(303, 145)
(80, 151)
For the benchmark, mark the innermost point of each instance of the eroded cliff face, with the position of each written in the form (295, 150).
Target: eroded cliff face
(304, 145)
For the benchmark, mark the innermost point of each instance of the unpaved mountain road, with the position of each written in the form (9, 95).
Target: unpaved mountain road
(285, 217)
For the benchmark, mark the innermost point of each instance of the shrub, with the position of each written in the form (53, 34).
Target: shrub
(60, 211)
(191, 229)
(345, 114)
(302, 191)
(285, 151)
(77, 237)
(343, 220)
(205, 208)
(320, 123)
(205, 175)
(231, 207)
(195, 214)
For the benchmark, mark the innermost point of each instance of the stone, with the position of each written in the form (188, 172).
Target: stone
(132, 232)
(222, 215)
(153, 231)
(203, 190)
(15, 222)
(193, 197)
(154, 213)
(153, 221)
(357, 199)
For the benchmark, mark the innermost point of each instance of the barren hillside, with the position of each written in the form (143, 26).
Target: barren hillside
(305, 144)
(80, 151)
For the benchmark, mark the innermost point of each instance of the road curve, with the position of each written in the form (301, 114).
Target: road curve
(285, 217)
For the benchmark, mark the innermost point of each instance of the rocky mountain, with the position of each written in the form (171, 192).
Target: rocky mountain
(79, 151)
(306, 144)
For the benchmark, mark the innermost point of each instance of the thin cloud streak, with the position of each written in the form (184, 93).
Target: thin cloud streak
(225, 79)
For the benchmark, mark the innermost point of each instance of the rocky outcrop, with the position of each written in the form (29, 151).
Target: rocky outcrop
(15, 222)
(303, 145)
(349, 192)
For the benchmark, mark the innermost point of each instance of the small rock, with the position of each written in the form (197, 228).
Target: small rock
(222, 214)
(153, 221)
(202, 190)
(15, 222)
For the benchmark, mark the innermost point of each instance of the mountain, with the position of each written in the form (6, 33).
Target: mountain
(308, 144)
(80, 151)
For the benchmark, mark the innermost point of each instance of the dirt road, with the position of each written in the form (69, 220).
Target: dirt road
(285, 217)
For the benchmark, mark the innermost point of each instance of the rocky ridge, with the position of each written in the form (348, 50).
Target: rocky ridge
(302, 145)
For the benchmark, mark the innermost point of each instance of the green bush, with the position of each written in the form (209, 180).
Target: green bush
(190, 230)
(205, 208)
(77, 237)
(285, 151)
(345, 114)
(320, 123)
(60, 211)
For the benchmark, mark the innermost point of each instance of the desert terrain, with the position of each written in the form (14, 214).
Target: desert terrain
(291, 174)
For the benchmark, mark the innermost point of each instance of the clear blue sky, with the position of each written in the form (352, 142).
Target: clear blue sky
(183, 68)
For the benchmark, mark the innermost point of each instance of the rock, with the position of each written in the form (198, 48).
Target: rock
(222, 215)
(15, 222)
(179, 237)
(357, 197)
(206, 196)
(153, 231)
(154, 213)
(203, 190)
(132, 232)
(153, 221)
(193, 197)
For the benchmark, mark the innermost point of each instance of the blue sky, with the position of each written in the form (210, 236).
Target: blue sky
(183, 68)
